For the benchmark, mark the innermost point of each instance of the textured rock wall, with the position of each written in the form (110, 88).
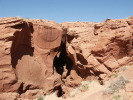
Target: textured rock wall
(100, 47)
(39, 55)
(8, 79)
(27, 52)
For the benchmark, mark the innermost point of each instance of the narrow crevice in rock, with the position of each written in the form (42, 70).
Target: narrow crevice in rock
(60, 59)
(81, 59)
(104, 65)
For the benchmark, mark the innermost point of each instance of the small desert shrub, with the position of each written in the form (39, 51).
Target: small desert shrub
(119, 96)
(84, 86)
(123, 68)
(116, 97)
(115, 86)
(40, 98)
(115, 75)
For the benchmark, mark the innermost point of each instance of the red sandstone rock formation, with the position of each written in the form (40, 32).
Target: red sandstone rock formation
(100, 48)
(40, 54)
(27, 52)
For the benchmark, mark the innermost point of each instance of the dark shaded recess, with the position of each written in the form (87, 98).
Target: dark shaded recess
(101, 62)
(100, 53)
(96, 73)
(22, 90)
(21, 43)
(59, 91)
(97, 54)
(81, 59)
(62, 60)
(82, 71)
(69, 38)
(125, 46)
(59, 62)
(69, 65)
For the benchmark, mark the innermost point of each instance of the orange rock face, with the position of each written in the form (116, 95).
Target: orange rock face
(98, 49)
(40, 54)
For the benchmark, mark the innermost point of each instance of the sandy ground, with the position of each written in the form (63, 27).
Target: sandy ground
(95, 91)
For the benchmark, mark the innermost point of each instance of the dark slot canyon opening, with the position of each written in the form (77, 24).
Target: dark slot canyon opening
(22, 46)
(62, 61)
(62, 64)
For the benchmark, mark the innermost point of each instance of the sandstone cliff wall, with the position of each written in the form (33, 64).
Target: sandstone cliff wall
(40, 55)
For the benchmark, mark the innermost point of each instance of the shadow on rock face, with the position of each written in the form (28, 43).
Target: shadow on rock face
(62, 60)
(21, 44)
(33, 65)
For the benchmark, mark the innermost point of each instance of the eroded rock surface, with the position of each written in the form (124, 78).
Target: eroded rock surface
(98, 49)
(40, 54)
